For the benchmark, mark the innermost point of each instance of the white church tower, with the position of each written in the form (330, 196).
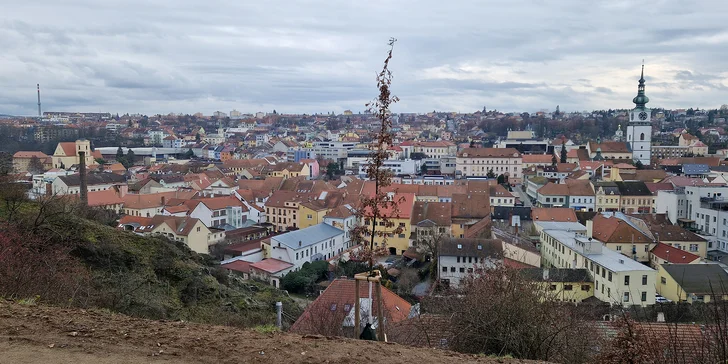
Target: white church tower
(639, 129)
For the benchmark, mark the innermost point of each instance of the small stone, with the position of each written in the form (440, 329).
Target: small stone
(52, 346)
(262, 352)
(303, 353)
(73, 333)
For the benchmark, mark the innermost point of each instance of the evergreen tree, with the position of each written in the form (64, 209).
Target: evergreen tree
(35, 166)
(423, 169)
(553, 160)
(197, 137)
(563, 153)
(119, 153)
(490, 173)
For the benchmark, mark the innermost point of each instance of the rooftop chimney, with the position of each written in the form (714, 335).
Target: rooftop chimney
(82, 174)
(589, 228)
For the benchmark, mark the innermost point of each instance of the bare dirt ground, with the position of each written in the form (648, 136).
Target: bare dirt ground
(40, 334)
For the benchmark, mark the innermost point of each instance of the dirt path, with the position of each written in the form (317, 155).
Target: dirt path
(39, 334)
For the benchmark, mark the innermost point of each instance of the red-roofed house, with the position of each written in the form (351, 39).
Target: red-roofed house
(239, 266)
(270, 270)
(662, 253)
(332, 313)
(21, 160)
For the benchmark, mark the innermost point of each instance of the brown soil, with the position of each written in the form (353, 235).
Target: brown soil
(40, 334)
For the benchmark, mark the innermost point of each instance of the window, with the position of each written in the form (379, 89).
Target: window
(610, 276)
(663, 280)
(644, 280)
(458, 259)
(585, 287)
(552, 287)
(198, 229)
(567, 287)
(644, 296)
(694, 247)
(626, 297)
(452, 269)
(462, 270)
(619, 248)
(626, 280)
(444, 269)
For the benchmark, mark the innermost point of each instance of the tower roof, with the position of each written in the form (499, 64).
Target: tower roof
(641, 99)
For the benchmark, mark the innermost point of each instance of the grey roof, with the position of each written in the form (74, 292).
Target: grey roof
(699, 278)
(693, 169)
(633, 188)
(607, 258)
(609, 187)
(556, 274)
(311, 235)
(471, 247)
(93, 179)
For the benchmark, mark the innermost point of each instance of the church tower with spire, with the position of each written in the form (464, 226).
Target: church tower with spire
(639, 129)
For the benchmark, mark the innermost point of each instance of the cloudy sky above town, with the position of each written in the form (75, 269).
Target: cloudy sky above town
(318, 56)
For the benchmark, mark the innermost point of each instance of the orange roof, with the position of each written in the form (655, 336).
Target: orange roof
(134, 201)
(561, 214)
(271, 265)
(615, 230)
(489, 153)
(403, 210)
(29, 154)
(104, 198)
(673, 255)
(554, 189)
(537, 158)
(69, 148)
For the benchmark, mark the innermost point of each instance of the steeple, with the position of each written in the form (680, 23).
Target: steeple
(640, 100)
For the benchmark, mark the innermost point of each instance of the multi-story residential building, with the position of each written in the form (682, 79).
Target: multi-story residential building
(344, 218)
(477, 162)
(461, 258)
(430, 222)
(707, 211)
(317, 242)
(226, 213)
(670, 151)
(617, 279)
(431, 149)
(561, 284)
(396, 166)
(525, 142)
(22, 159)
(281, 209)
(622, 234)
(500, 196)
(400, 217)
(558, 172)
(188, 230)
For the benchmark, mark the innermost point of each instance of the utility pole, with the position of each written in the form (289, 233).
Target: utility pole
(39, 113)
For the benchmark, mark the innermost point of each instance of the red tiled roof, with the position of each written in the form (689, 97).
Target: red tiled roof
(537, 158)
(339, 297)
(29, 154)
(561, 214)
(104, 198)
(673, 255)
(271, 265)
(69, 148)
(238, 266)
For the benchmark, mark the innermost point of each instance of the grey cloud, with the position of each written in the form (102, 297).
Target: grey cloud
(314, 56)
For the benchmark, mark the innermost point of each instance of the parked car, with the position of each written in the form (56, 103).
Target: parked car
(660, 299)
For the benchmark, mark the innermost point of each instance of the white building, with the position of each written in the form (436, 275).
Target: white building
(317, 242)
(460, 258)
(617, 279)
(639, 129)
(477, 162)
(395, 165)
(707, 210)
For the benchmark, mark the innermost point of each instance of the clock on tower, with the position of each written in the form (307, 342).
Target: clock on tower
(639, 129)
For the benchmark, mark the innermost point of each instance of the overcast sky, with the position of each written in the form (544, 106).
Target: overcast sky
(317, 56)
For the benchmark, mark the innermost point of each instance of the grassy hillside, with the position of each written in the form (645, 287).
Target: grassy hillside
(49, 253)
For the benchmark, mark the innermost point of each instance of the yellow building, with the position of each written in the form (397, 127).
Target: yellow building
(395, 243)
(692, 282)
(281, 209)
(561, 284)
(66, 153)
(288, 170)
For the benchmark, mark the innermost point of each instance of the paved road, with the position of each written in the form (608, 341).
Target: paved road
(522, 196)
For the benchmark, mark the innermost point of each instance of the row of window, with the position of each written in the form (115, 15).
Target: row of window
(453, 269)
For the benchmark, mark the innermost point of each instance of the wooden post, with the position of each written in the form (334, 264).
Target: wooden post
(357, 310)
(380, 314)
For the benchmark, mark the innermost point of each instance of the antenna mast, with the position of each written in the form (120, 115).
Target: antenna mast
(39, 113)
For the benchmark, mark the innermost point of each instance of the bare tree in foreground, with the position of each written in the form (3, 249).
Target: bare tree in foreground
(379, 209)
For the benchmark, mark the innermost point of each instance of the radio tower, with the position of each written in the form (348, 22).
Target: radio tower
(39, 114)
